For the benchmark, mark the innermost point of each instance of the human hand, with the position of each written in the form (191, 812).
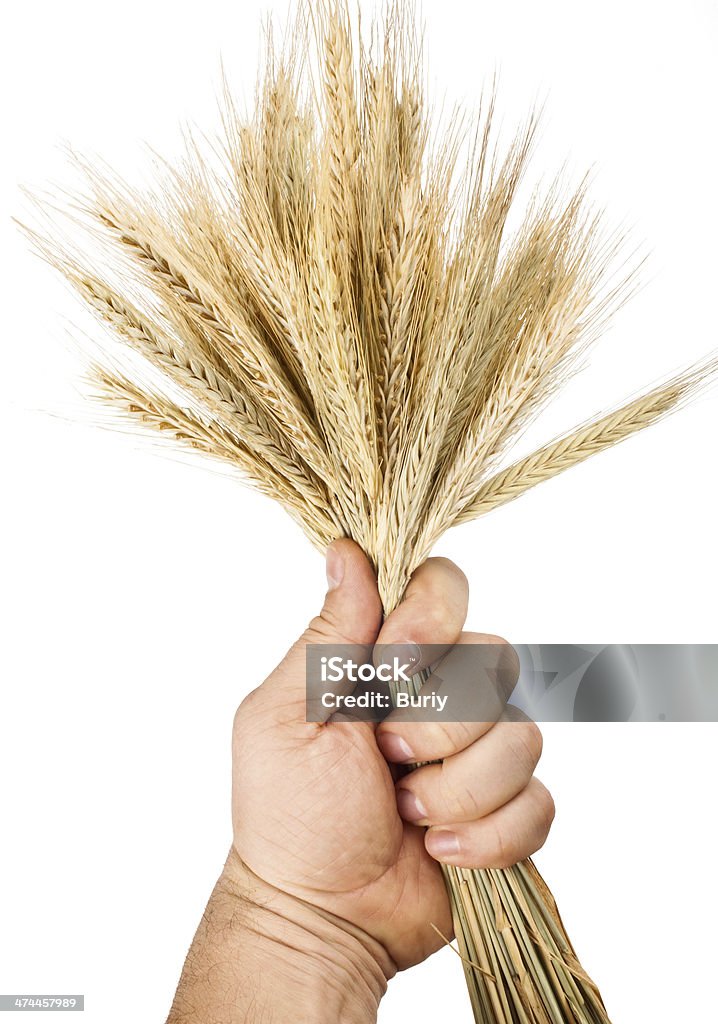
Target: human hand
(331, 859)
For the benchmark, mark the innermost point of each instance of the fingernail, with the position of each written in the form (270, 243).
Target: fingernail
(405, 653)
(410, 806)
(394, 748)
(442, 843)
(335, 568)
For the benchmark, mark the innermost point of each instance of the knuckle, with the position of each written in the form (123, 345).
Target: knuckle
(546, 806)
(329, 628)
(533, 737)
(320, 629)
(501, 661)
(504, 844)
(458, 576)
(539, 838)
(437, 740)
(442, 739)
(435, 623)
(447, 568)
(458, 803)
(460, 735)
(526, 742)
(438, 598)
(508, 660)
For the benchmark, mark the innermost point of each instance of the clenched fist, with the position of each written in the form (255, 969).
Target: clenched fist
(332, 882)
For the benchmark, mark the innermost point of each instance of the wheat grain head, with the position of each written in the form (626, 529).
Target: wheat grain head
(338, 291)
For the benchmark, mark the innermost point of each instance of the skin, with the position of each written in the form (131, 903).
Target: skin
(333, 881)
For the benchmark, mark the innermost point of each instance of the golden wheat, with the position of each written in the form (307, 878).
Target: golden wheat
(331, 301)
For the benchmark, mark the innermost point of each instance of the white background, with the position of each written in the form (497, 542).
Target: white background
(143, 598)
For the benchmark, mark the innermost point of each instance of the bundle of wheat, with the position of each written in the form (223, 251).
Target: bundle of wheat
(333, 304)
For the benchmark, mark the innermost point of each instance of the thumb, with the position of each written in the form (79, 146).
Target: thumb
(351, 614)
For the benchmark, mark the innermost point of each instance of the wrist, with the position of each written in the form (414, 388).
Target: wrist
(274, 957)
(334, 970)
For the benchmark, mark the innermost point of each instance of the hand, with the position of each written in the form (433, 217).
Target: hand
(329, 848)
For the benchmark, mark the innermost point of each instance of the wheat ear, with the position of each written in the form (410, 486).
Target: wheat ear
(580, 444)
(160, 414)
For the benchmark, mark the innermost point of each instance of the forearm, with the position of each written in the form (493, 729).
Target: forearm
(262, 957)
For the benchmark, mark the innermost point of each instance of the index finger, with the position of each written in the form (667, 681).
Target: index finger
(430, 618)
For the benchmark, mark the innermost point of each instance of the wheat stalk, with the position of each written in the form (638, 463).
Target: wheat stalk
(330, 301)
